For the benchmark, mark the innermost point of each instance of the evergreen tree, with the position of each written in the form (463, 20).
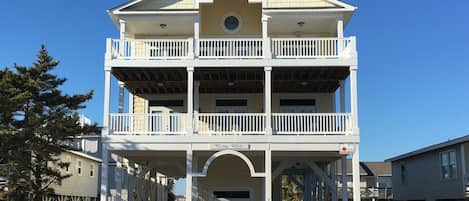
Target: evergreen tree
(36, 119)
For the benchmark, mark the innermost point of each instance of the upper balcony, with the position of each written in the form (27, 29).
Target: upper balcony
(231, 48)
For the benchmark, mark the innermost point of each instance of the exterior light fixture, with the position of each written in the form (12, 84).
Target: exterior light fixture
(301, 23)
(304, 83)
(163, 26)
(231, 83)
(160, 84)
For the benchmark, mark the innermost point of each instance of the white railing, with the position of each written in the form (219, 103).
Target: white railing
(148, 124)
(311, 47)
(151, 49)
(230, 123)
(312, 123)
(231, 48)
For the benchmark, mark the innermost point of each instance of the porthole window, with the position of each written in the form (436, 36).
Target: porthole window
(231, 23)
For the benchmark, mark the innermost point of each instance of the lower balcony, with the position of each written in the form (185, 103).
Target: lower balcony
(211, 124)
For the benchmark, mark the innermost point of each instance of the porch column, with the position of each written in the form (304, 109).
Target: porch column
(196, 35)
(190, 100)
(344, 158)
(189, 174)
(196, 96)
(121, 97)
(355, 131)
(122, 29)
(118, 179)
(268, 100)
(265, 37)
(107, 100)
(268, 175)
(104, 172)
(340, 33)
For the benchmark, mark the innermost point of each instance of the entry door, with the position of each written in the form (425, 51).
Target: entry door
(163, 121)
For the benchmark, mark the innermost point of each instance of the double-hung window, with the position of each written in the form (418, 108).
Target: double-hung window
(448, 164)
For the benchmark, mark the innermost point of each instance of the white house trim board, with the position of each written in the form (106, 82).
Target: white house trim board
(229, 152)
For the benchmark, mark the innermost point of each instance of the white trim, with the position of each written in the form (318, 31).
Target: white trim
(178, 12)
(229, 152)
(83, 155)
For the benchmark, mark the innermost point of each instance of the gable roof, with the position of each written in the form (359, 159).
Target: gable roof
(83, 155)
(119, 9)
(431, 148)
(368, 168)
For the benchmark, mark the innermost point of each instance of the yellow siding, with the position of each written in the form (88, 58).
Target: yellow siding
(299, 4)
(162, 5)
(211, 17)
(78, 185)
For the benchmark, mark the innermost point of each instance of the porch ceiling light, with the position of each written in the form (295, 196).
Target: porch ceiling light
(163, 26)
(231, 83)
(304, 83)
(160, 84)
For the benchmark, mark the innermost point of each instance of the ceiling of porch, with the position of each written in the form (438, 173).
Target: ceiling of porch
(231, 80)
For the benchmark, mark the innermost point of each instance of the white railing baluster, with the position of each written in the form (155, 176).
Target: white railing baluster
(311, 123)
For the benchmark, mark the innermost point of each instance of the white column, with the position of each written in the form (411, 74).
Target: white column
(190, 100)
(268, 99)
(189, 174)
(340, 33)
(353, 99)
(344, 158)
(196, 96)
(342, 95)
(118, 179)
(196, 35)
(121, 97)
(356, 174)
(104, 172)
(268, 175)
(265, 37)
(122, 29)
(107, 99)
(195, 182)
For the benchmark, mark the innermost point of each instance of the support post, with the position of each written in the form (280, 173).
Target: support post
(122, 42)
(104, 173)
(344, 178)
(308, 186)
(196, 97)
(340, 34)
(356, 174)
(118, 179)
(121, 97)
(268, 100)
(268, 175)
(107, 100)
(189, 174)
(265, 37)
(190, 100)
(353, 98)
(196, 36)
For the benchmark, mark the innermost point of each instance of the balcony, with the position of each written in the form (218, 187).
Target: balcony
(216, 124)
(231, 48)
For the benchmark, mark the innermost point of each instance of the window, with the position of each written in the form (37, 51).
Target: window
(448, 164)
(402, 174)
(92, 169)
(79, 167)
(231, 23)
(68, 159)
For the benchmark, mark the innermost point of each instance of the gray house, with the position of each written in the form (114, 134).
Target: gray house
(437, 172)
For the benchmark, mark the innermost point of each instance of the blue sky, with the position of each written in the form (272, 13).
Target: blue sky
(413, 63)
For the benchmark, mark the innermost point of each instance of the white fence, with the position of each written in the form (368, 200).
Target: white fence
(231, 48)
(313, 124)
(68, 198)
(151, 49)
(310, 47)
(230, 123)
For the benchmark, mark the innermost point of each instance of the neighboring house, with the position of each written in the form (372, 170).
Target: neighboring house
(436, 172)
(375, 180)
(232, 96)
(84, 179)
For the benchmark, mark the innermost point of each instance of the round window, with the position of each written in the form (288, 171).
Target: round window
(231, 23)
